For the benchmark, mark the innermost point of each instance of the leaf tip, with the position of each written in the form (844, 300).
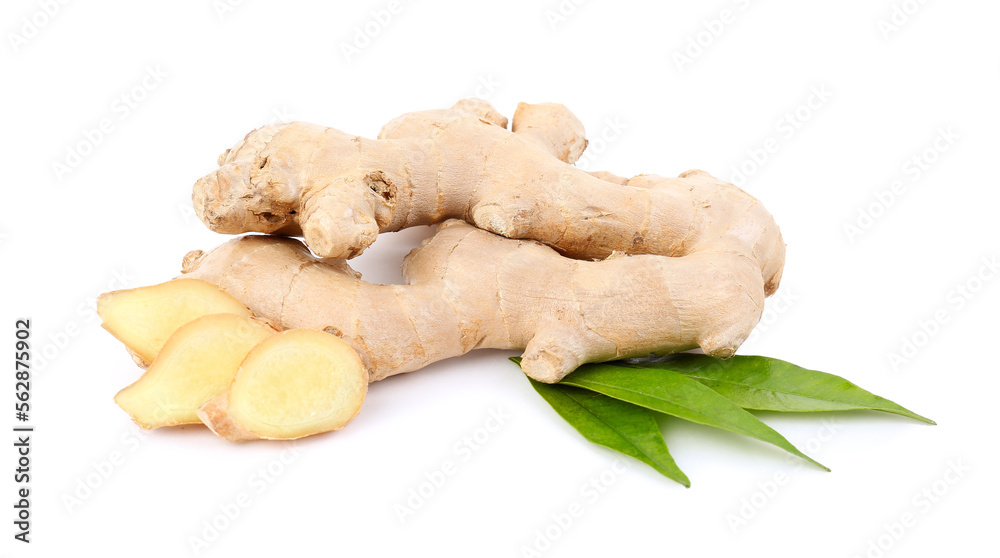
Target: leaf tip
(814, 462)
(673, 473)
(910, 414)
(921, 418)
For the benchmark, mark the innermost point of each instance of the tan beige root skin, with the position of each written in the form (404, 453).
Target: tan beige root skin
(294, 384)
(470, 289)
(214, 413)
(553, 127)
(198, 361)
(339, 190)
(144, 318)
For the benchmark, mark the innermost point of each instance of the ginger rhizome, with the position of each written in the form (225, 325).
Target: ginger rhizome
(339, 191)
(531, 253)
(467, 289)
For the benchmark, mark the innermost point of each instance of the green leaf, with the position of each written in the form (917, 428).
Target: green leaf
(614, 424)
(769, 384)
(675, 394)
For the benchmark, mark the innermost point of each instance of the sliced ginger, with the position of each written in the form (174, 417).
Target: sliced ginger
(593, 283)
(144, 318)
(296, 383)
(198, 362)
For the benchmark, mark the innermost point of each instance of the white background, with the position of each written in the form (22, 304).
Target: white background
(121, 216)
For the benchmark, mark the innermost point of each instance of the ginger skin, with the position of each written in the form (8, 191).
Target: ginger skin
(339, 190)
(467, 289)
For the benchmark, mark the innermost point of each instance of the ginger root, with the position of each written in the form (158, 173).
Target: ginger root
(339, 190)
(569, 266)
(198, 362)
(467, 289)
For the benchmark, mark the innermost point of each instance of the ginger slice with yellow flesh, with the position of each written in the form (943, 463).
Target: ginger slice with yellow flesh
(198, 362)
(297, 383)
(144, 318)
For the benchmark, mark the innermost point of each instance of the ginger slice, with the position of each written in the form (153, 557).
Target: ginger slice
(144, 318)
(198, 362)
(297, 383)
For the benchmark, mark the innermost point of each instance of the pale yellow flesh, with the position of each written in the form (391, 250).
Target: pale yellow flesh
(198, 362)
(298, 383)
(144, 318)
